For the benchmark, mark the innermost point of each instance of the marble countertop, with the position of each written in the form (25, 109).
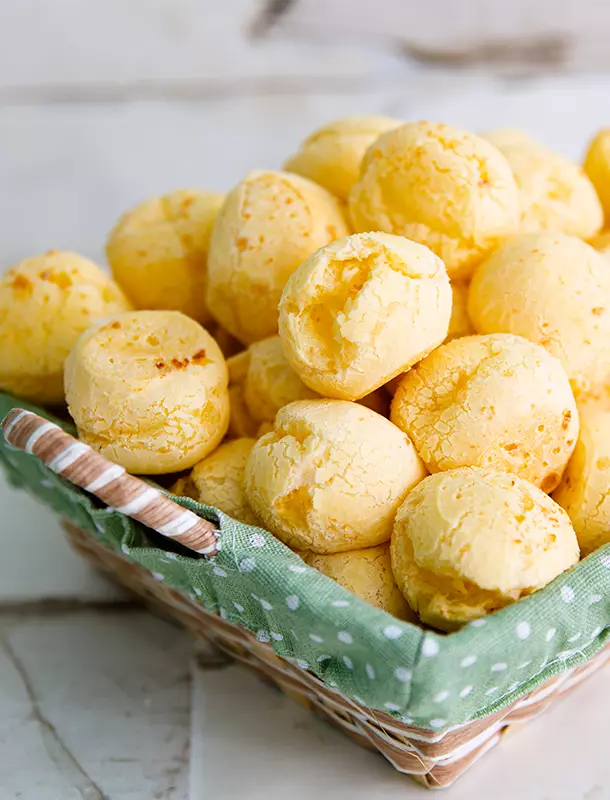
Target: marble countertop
(98, 699)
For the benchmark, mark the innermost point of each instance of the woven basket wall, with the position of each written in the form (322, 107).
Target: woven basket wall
(433, 759)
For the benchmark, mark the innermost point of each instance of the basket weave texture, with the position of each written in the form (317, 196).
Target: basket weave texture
(433, 759)
(425, 685)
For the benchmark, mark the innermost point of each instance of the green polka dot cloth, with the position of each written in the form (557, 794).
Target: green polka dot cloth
(428, 680)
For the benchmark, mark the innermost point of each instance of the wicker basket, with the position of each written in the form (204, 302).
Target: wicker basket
(434, 758)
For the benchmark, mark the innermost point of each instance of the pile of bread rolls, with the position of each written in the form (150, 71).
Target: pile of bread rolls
(394, 356)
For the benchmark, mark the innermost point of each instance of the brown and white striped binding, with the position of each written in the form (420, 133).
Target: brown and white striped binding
(82, 466)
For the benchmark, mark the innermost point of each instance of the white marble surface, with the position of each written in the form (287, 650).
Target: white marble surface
(111, 705)
(93, 705)
(97, 699)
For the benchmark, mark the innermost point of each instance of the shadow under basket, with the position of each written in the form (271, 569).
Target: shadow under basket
(206, 571)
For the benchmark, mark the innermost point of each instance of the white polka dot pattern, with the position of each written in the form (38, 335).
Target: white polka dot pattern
(430, 647)
(392, 632)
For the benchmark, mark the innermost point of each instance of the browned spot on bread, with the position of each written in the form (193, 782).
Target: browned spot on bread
(21, 284)
(550, 482)
(112, 326)
(567, 416)
(58, 278)
(199, 357)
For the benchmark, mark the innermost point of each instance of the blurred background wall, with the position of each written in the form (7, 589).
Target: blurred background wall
(103, 102)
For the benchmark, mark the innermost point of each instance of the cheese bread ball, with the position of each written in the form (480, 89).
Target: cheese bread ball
(261, 381)
(367, 574)
(271, 382)
(362, 310)
(597, 167)
(471, 541)
(507, 137)
(148, 390)
(584, 489)
(331, 475)
(240, 421)
(158, 251)
(490, 401)
(553, 290)
(46, 302)
(440, 186)
(218, 480)
(459, 324)
(332, 155)
(269, 224)
(556, 195)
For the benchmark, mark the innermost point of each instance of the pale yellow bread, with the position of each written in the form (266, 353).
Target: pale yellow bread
(218, 480)
(331, 156)
(459, 324)
(261, 381)
(148, 390)
(441, 186)
(556, 194)
(367, 574)
(158, 251)
(46, 302)
(331, 475)
(471, 541)
(584, 491)
(362, 310)
(597, 167)
(554, 290)
(241, 423)
(269, 224)
(271, 383)
(490, 401)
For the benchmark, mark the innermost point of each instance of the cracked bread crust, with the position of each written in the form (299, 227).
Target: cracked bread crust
(470, 541)
(490, 401)
(331, 476)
